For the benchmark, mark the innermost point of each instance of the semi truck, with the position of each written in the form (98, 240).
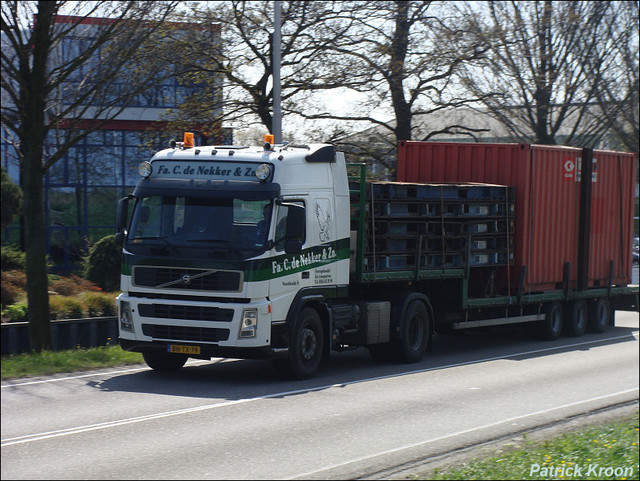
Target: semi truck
(288, 252)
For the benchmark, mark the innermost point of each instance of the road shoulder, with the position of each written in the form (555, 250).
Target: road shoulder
(424, 468)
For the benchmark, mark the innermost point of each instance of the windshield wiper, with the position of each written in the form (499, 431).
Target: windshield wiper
(204, 239)
(169, 245)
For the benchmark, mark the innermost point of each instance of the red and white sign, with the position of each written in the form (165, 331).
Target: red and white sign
(572, 169)
(569, 166)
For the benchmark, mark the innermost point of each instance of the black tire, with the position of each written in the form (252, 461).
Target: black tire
(414, 336)
(599, 315)
(550, 327)
(307, 345)
(576, 318)
(163, 361)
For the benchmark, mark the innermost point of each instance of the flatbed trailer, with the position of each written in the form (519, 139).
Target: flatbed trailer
(468, 312)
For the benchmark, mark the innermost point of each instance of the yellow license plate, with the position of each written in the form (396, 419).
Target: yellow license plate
(178, 349)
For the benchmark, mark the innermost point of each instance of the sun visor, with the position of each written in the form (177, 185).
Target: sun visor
(207, 188)
(324, 154)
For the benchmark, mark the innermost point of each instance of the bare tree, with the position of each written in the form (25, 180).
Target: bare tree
(43, 93)
(384, 50)
(538, 65)
(614, 73)
(244, 57)
(397, 63)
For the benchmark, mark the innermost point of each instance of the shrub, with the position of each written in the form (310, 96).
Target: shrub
(56, 307)
(62, 307)
(16, 312)
(11, 258)
(11, 199)
(70, 286)
(103, 264)
(17, 278)
(13, 285)
(100, 304)
(85, 284)
(64, 287)
(9, 294)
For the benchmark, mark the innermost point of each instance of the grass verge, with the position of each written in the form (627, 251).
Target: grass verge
(52, 362)
(609, 451)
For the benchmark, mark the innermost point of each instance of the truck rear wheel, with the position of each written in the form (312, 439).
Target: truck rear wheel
(162, 361)
(576, 317)
(306, 347)
(550, 327)
(599, 315)
(415, 333)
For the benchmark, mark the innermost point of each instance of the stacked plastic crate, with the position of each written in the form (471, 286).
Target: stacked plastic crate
(435, 226)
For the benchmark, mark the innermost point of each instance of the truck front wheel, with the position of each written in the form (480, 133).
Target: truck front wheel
(307, 345)
(415, 333)
(161, 361)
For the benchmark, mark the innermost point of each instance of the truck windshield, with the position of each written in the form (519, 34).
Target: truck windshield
(200, 227)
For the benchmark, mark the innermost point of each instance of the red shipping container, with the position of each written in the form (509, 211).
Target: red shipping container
(547, 198)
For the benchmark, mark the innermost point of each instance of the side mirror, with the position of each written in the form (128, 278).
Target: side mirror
(121, 219)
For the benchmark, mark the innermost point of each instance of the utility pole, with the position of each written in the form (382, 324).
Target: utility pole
(276, 125)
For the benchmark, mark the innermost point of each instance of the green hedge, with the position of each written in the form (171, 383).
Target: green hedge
(104, 263)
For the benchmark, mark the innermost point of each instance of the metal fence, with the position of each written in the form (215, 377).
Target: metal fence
(65, 334)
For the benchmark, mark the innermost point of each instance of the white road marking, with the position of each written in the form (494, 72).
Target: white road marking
(459, 433)
(120, 422)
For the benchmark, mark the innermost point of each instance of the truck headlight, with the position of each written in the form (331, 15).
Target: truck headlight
(263, 171)
(145, 169)
(126, 318)
(249, 324)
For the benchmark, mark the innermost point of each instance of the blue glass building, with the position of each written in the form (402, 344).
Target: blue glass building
(82, 189)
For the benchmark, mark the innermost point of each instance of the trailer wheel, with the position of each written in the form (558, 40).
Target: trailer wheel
(305, 350)
(599, 315)
(577, 314)
(161, 361)
(415, 333)
(550, 328)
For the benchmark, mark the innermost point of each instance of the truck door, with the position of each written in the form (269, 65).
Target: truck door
(290, 271)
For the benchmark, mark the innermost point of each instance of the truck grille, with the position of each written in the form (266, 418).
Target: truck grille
(189, 279)
(180, 333)
(196, 313)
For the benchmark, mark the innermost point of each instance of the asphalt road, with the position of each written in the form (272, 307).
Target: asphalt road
(237, 419)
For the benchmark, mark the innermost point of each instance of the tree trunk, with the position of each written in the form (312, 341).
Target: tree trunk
(542, 95)
(262, 102)
(36, 265)
(34, 97)
(399, 47)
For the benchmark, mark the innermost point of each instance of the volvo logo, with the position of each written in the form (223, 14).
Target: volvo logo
(185, 280)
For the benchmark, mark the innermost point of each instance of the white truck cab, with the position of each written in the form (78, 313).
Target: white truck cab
(222, 243)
